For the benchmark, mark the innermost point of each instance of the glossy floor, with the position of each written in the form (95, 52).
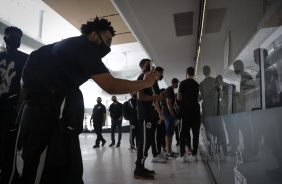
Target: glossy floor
(111, 165)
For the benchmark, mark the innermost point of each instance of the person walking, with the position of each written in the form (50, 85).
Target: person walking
(99, 119)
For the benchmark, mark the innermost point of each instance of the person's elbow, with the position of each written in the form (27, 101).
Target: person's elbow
(110, 89)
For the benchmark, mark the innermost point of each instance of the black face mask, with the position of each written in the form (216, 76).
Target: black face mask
(161, 78)
(134, 96)
(104, 49)
(14, 44)
(148, 68)
(99, 102)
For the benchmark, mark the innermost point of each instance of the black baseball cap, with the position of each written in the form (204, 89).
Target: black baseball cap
(174, 80)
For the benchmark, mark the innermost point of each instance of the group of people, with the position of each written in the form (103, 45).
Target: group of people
(99, 118)
(42, 110)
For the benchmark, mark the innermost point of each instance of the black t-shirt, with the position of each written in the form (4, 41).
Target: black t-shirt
(62, 65)
(146, 105)
(115, 110)
(98, 113)
(189, 90)
(11, 67)
(169, 94)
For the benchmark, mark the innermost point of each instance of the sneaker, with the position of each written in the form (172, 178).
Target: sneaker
(171, 155)
(186, 156)
(181, 159)
(118, 145)
(193, 158)
(174, 153)
(112, 144)
(96, 146)
(143, 175)
(163, 156)
(103, 142)
(158, 159)
(149, 171)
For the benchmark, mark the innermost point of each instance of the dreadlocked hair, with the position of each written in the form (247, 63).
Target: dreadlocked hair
(12, 29)
(97, 25)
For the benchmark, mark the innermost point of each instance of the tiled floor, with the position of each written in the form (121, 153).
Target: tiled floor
(111, 165)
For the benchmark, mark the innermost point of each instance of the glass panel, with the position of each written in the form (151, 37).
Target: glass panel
(242, 102)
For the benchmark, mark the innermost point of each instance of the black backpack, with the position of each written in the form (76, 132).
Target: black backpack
(125, 110)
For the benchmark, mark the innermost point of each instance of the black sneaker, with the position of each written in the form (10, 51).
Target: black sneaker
(103, 143)
(152, 172)
(112, 144)
(177, 154)
(118, 145)
(96, 146)
(143, 175)
(172, 155)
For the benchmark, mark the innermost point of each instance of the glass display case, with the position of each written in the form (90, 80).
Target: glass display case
(242, 141)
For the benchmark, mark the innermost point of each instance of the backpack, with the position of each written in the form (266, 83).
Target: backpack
(125, 110)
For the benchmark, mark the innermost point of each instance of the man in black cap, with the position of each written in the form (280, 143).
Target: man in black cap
(170, 116)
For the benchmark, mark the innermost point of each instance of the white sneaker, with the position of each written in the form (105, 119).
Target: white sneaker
(193, 158)
(162, 156)
(181, 159)
(186, 156)
(158, 159)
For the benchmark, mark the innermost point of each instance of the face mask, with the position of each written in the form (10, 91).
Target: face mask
(104, 49)
(161, 78)
(14, 44)
(99, 102)
(148, 68)
(114, 100)
(134, 96)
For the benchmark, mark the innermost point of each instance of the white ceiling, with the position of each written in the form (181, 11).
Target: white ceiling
(153, 25)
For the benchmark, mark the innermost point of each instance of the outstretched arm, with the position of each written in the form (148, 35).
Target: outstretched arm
(121, 86)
